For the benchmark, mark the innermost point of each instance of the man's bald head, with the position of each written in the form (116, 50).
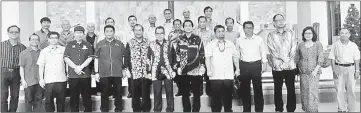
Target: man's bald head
(91, 27)
(65, 24)
(152, 18)
(186, 13)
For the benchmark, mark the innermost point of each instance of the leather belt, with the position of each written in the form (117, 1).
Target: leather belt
(345, 65)
(9, 69)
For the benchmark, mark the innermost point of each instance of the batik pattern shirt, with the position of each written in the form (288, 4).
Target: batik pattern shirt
(158, 56)
(137, 59)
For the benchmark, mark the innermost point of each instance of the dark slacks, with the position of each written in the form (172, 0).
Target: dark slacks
(289, 77)
(33, 98)
(10, 79)
(109, 85)
(191, 83)
(141, 88)
(251, 72)
(130, 85)
(168, 86)
(221, 93)
(80, 86)
(55, 90)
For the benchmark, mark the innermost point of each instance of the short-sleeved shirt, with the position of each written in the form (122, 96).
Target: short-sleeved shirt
(110, 58)
(344, 53)
(78, 54)
(222, 62)
(28, 59)
(54, 66)
(150, 33)
(43, 38)
(232, 36)
(9, 54)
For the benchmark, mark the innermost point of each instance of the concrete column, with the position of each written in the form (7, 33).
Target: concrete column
(319, 15)
(26, 9)
(10, 9)
(39, 12)
(90, 11)
(303, 17)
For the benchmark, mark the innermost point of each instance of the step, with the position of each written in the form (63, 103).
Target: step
(327, 94)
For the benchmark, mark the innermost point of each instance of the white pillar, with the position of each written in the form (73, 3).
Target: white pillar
(291, 12)
(10, 16)
(90, 11)
(27, 20)
(318, 14)
(39, 12)
(244, 11)
(304, 17)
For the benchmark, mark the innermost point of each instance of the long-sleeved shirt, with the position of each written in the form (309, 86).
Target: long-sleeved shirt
(159, 61)
(282, 46)
(136, 58)
(189, 55)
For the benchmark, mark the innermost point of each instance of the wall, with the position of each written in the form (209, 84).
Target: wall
(10, 16)
(318, 14)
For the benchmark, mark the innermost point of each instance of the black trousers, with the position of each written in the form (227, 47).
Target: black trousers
(55, 90)
(221, 93)
(80, 86)
(251, 72)
(33, 98)
(141, 88)
(10, 79)
(130, 85)
(289, 77)
(168, 86)
(191, 83)
(109, 85)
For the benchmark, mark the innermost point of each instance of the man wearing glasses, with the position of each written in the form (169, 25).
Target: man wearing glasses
(10, 76)
(252, 63)
(282, 45)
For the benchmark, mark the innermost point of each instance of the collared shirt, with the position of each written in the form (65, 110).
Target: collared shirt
(211, 24)
(168, 27)
(158, 55)
(189, 55)
(66, 37)
(78, 54)
(205, 35)
(282, 46)
(175, 34)
(252, 49)
(128, 35)
(110, 58)
(150, 33)
(344, 53)
(43, 38)
(221, 62)
(93, 40)
(28, 59)
(54, 66)
(136, 58)
(232, 36)
(9, 54)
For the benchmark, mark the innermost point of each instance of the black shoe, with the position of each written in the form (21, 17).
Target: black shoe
(129, 95)
(178, 94)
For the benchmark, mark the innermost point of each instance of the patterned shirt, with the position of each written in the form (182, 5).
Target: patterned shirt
(136, 58)
(175, 34)
(65, 38)
(205, 35)
(189, 55)
(158, 55)
(282, 46)
(9, 54)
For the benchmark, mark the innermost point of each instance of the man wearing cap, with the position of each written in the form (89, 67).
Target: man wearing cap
(149, 31)
(78, 55)
(43, 32)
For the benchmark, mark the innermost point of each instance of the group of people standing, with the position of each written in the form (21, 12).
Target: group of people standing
(176, 51)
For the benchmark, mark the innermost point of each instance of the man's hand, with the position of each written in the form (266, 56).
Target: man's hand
(179, 71)
(237, 72)
(314, 73)
(263, 67)
(42, 83)
(78, 70)
(23, 82)
(97, 77)
(357, 74)
(153, 78)
(209, 73)
(335, 75)
(173, 74)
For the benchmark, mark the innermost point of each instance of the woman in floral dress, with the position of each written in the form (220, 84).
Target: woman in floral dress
(309, 58)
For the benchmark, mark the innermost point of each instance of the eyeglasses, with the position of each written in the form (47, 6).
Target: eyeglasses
(159, 33)
(308, 33)
(14, 32)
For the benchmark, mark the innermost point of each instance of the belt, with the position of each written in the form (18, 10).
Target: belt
(9, 69)
(250, 61)
(345, 65)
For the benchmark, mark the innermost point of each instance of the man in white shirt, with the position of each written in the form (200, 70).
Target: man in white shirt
(52, 75)
(150, 30)
(221, 55)
(252, 64)
(345, 59)
(168, 25)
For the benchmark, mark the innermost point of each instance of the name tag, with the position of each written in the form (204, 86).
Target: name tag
(116, 45)
(84, 47)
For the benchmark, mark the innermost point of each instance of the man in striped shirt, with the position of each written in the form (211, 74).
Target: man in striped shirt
(10, 76)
